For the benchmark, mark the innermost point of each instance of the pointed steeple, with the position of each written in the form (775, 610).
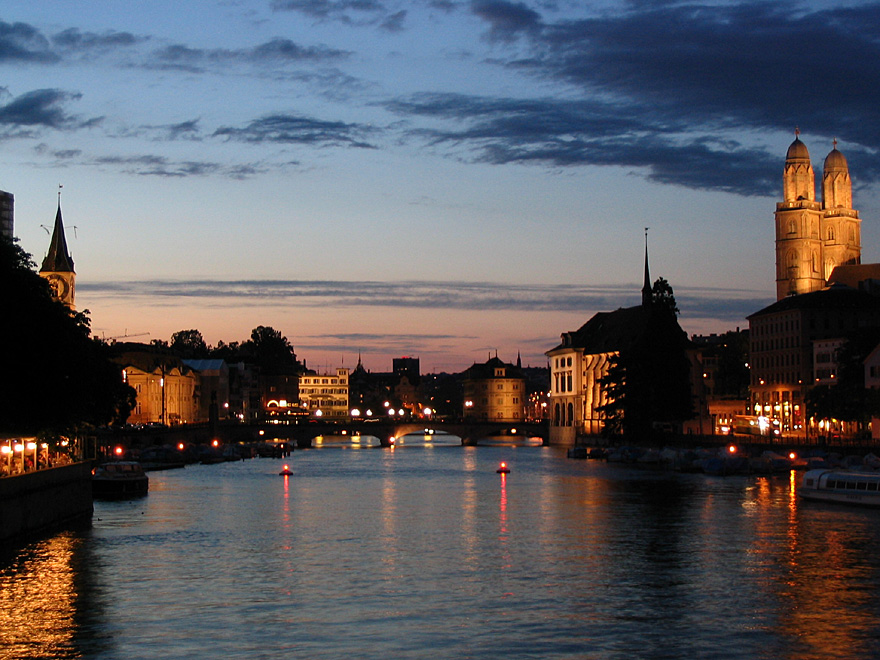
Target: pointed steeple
(646, 287)
(518, 360)
(58, 258)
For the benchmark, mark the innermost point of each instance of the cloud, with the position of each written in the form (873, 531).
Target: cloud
(564, 133)
(75, 40)
(275, 51)
(341, 10)
(293, 129)
(671, 89)
(42, 108)
(394, 22)
(507, 19)
(24, 43)
(160, 166)
(729, 304)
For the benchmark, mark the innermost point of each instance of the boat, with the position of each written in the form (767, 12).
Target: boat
(119, 480)
(844, 486)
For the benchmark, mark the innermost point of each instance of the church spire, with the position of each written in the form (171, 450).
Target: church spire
(58, 258)
(57, 267)
(646, 287)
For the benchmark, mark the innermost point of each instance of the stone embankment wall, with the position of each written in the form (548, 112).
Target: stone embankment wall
(37, 502)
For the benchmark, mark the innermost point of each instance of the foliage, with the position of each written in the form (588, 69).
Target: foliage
(270, 350)
(732, 376)
(848, 399)
(57, 379)
(648, 381)
(663, 296)
(189, 345)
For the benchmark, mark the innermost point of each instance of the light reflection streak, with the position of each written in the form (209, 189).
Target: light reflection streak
(38, 614)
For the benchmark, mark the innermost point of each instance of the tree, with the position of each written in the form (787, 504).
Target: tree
(58, 379)
(189, 344)
(848, 399)
(663, 296)
(271, 350)
(648, 381)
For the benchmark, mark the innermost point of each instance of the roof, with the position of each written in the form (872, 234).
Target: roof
(487, 369)
(797, 151)
(837, 296)
(853, 274)
(57, 258)
(835, 161)
(206, 365)
(607, 332)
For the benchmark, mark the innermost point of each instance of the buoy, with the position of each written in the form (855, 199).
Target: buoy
(503, 469)
(286, 471)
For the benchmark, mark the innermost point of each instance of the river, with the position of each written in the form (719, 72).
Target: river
(425, 551)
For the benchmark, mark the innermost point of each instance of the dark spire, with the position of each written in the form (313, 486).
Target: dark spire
(646, 287)
(518, 360)
(58, 257)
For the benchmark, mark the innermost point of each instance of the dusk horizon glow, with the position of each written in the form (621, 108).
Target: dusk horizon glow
(439, 179)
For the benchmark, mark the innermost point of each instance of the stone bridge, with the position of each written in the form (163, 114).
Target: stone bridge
(388, 432)
(304, 433)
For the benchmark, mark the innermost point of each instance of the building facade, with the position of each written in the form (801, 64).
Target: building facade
(7, 215)
(814, 237)
(494, 391)
(165, 395)
(787, 340)
(325, 395)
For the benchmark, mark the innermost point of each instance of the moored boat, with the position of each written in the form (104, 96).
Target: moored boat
(118, 480)
(847, 487)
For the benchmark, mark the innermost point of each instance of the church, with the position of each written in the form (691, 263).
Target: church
(812, 237)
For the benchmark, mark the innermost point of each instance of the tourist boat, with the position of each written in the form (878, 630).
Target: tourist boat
(119, 479)
(862, 488)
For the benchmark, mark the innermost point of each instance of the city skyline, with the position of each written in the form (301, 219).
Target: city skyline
(437, 179)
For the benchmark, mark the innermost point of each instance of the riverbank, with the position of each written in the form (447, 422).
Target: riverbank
(39, 502)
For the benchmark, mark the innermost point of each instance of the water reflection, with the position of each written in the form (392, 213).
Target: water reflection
(403, 553)
(48, 601)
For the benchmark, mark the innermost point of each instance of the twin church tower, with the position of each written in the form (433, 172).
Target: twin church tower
(812, 237)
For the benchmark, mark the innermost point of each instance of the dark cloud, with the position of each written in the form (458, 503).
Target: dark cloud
(394, 22)
(22, 42)
(728, 305)
(41, 108)
(325, 9)
(275, 51)
(74, 39)
(662, 85)
(507, 19)
(563, 133)
(161, 166)
(292, 129)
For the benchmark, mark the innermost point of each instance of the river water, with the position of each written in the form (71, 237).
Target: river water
(419, 552)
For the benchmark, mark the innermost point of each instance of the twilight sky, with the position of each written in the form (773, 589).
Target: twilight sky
(432, 178)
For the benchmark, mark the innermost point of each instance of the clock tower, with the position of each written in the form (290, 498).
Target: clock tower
(58, 266)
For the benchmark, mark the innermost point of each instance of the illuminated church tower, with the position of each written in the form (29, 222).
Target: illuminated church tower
(58, 266)
(813, 237)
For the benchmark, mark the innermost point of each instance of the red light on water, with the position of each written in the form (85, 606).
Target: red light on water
(732, 449)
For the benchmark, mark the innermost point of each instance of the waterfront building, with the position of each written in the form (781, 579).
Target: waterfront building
(872, 381)
(166, 394)
(7, 215)
(650, 336)
(787, 337)
(494, 391)
(325, 395)
(381, 392)
(167, 390)
(57, 266)
(212, 388)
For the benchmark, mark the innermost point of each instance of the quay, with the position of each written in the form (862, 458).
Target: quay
(42, 501)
